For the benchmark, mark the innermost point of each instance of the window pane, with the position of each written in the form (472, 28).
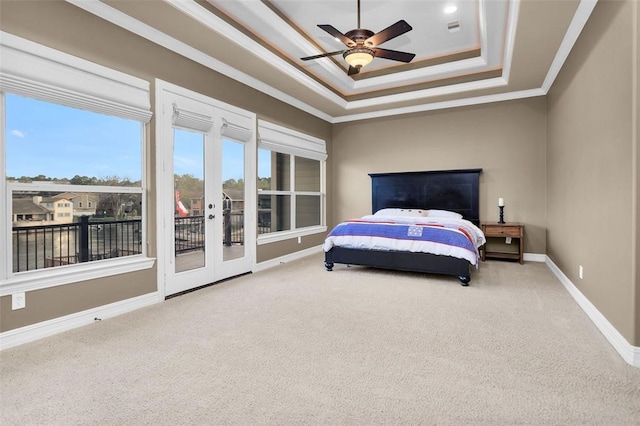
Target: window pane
(307, 175)
(307, 210)
(46, 142)
(51, 229)
(274, 171)
(50, 142)
(274, 213)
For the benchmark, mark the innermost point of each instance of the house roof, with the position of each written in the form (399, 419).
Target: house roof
(234, 194)
(73, 195)
(27, 206)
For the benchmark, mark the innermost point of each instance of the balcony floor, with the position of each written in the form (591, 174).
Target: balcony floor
(195, 259)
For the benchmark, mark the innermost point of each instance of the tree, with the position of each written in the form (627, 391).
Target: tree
(264, 183)
(233, 184)
(189, 187)
(117, 205)
(83, 180)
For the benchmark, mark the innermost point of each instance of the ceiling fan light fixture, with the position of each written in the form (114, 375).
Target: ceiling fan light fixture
(358, 57)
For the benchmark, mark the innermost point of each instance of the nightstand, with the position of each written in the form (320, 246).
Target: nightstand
(503, 230)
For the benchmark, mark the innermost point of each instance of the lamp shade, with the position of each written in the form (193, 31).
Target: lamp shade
(358, 57)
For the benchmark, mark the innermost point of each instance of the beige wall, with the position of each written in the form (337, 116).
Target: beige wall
(68, 28)
(506, 140)
(592, 165)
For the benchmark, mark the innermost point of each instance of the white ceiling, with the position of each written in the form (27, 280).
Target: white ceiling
(503, 49)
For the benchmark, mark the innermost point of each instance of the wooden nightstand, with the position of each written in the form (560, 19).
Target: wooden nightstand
(503, 230)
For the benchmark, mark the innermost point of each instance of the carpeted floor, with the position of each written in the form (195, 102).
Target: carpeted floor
(298, 345)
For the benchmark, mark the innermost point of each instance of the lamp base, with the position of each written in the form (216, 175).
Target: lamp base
(501, 214)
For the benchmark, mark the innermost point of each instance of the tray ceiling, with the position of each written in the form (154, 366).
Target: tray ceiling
(484, 51)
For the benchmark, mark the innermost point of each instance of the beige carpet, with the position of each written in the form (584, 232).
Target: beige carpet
(298, 345)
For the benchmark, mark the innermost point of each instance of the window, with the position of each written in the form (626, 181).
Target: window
(67, 138)
(52, 150)
(290, 183)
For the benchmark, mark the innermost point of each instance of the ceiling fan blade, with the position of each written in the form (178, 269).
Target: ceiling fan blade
(393, 55)
(337, 34)
(353, 70)
(388, 33)
(322, 55)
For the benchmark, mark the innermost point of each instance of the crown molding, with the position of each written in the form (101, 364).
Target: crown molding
(508, 96)
(575, 28)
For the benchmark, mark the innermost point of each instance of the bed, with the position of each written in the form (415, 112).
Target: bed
(417, 205)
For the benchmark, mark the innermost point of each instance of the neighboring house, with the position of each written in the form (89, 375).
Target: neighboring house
(197, 207)
(84, 203)
(30, 210)
(41, 211)
(233, 199)
(38, 210)
(61, 207)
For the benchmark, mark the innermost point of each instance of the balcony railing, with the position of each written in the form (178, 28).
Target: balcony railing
(46, 246)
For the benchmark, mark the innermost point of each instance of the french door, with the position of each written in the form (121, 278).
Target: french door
(206, 199)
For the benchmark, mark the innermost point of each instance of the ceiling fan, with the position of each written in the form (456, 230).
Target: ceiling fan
(363, 44)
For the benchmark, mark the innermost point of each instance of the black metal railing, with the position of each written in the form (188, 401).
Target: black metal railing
(189, 231)
(233, 225)
(46, 246)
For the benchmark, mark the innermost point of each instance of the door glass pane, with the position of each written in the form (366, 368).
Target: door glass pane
(189, 203)
(232, 200)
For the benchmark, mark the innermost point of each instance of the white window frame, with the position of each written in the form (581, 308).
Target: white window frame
(39, 72)
(280, 139)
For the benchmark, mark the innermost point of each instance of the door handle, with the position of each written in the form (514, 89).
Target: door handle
(211, 216)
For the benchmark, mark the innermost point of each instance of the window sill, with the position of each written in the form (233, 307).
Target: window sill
(45, 278)
(287, 235)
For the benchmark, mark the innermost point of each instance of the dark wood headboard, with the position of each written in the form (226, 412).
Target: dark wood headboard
(454, 190)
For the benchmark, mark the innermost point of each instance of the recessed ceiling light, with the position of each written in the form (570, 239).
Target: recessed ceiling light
(450, 8)
(453, 26)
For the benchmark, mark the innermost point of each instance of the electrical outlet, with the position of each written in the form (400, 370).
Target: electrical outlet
(580, 272)
(18, 301)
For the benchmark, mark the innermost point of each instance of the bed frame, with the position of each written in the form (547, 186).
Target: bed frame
(453, 190)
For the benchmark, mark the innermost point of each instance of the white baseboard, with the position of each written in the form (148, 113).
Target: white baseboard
(628, 352)
(534, 257)
(33, 332)
(288, 258)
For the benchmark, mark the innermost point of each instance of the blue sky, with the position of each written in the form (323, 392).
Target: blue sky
(61, 142)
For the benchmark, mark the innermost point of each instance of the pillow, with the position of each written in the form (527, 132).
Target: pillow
(443, 213)
(401, 212)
